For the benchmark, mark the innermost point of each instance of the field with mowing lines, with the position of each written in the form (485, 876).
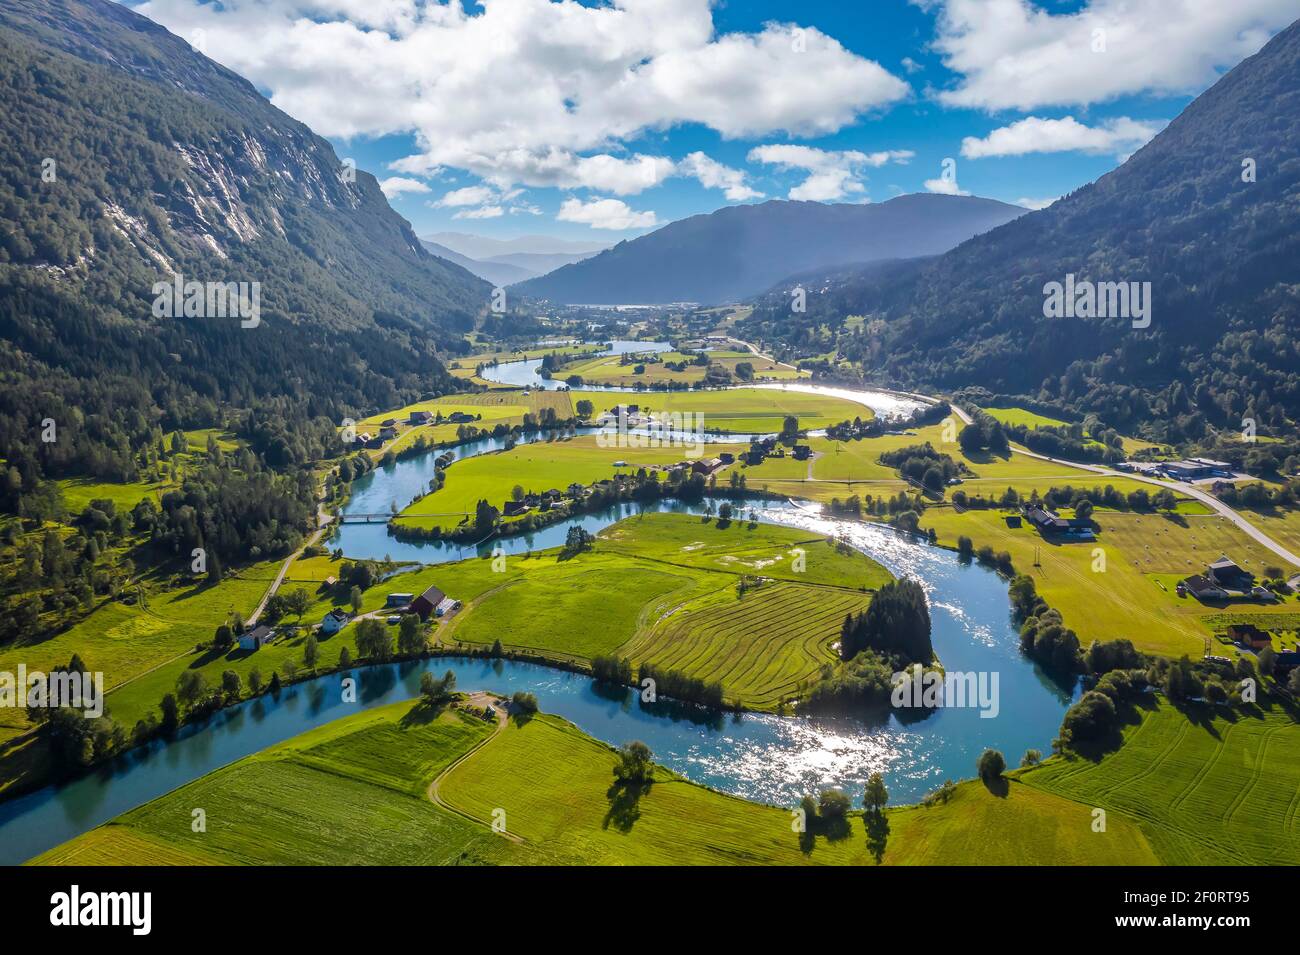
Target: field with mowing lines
(1212, 790)
(350, 792)
(722, 638)
(1031, 419)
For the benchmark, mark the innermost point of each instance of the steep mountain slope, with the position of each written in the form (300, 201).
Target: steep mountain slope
(128, 158)
(498, 273)
(740, 250)
(1222, 254)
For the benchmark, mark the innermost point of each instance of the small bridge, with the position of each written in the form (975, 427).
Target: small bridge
(365, 518)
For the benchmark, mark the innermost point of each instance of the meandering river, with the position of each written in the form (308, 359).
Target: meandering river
(762, 757)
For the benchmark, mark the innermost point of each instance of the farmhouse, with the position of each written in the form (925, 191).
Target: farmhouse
(1229, 576)
(706, 466)
(1050, 523)
(334, 621)
(255, 638)
(459, 417)
(515, 508)
(427, 602)
(1203, 588)
(420, 417)
(1249, 635)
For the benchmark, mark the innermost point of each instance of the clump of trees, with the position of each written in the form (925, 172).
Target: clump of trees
(896, 624)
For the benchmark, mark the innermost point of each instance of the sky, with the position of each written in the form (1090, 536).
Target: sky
(604, 119)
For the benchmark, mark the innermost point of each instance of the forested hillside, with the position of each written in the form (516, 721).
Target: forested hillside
(126, 158)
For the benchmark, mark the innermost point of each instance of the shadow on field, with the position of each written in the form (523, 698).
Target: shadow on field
(624, 804)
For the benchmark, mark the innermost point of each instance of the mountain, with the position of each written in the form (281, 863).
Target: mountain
(739, 251)
(484, 247)
(1220, 247)
(128, 158)
(540, 263)
(498, 273)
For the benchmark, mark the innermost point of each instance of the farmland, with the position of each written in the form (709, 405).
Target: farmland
(535, 467)
(760, 410)
(1205, 788)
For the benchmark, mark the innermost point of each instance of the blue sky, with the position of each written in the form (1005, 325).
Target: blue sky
(600, 121)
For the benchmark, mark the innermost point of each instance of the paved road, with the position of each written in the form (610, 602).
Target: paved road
(1182, 487)
(323, 518)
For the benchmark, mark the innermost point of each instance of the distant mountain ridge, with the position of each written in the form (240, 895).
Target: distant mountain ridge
(498, 273)
(1208, 212)
(739, 251)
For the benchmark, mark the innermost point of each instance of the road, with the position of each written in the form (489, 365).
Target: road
(1182, 487)
(323, 519)
(480, 700)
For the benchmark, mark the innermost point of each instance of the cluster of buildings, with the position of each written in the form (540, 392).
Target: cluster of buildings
(388, 427)
(770, 447)
(1224, 580)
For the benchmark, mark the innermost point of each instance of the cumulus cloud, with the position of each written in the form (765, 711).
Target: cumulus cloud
(1120, 136)
(533, 92)
(712, 174)
(945, 186)
(396, 185)
(605, 214)
(1013, 54)
(832, 174)
(468, 196)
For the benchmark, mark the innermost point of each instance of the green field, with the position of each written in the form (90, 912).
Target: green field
(539, 467)
(760, 410)
(1133, 597)
(611, 370)
(1217, 789)
(1207, 790)
(662, 588)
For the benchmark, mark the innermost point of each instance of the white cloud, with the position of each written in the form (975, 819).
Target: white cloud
(910, 65)
(1120, 136)
(945, 186)
(714, 175)
(482, 212)
(1036, 204)
(531, 92)
(1013, 54)
(831, 174)
(468, 196)
(396, 185)
(605, 214)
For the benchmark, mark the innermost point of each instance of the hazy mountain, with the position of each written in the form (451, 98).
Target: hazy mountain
(1208, 212)
(739, 251)
(484, 247)
(498, 273)
(127, 158)
(540, 263)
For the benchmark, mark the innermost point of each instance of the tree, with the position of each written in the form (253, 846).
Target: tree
(1032, 757)
(410, 635)
(190, 687)
(435, 690)
(832, 805)
(345, 659)
(274, 685)
(310, 651)
(373, 639)
(255, 681)
(876, 795)
(991, 765)
(171, 712)
(583, 408)
(354, 598)
(297, 602)
(517, 493)
(634, 766)
(1083, 510)
(230, 684)
(225, 638)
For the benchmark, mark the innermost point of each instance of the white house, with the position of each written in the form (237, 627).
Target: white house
(255, 638)
(334, 621)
